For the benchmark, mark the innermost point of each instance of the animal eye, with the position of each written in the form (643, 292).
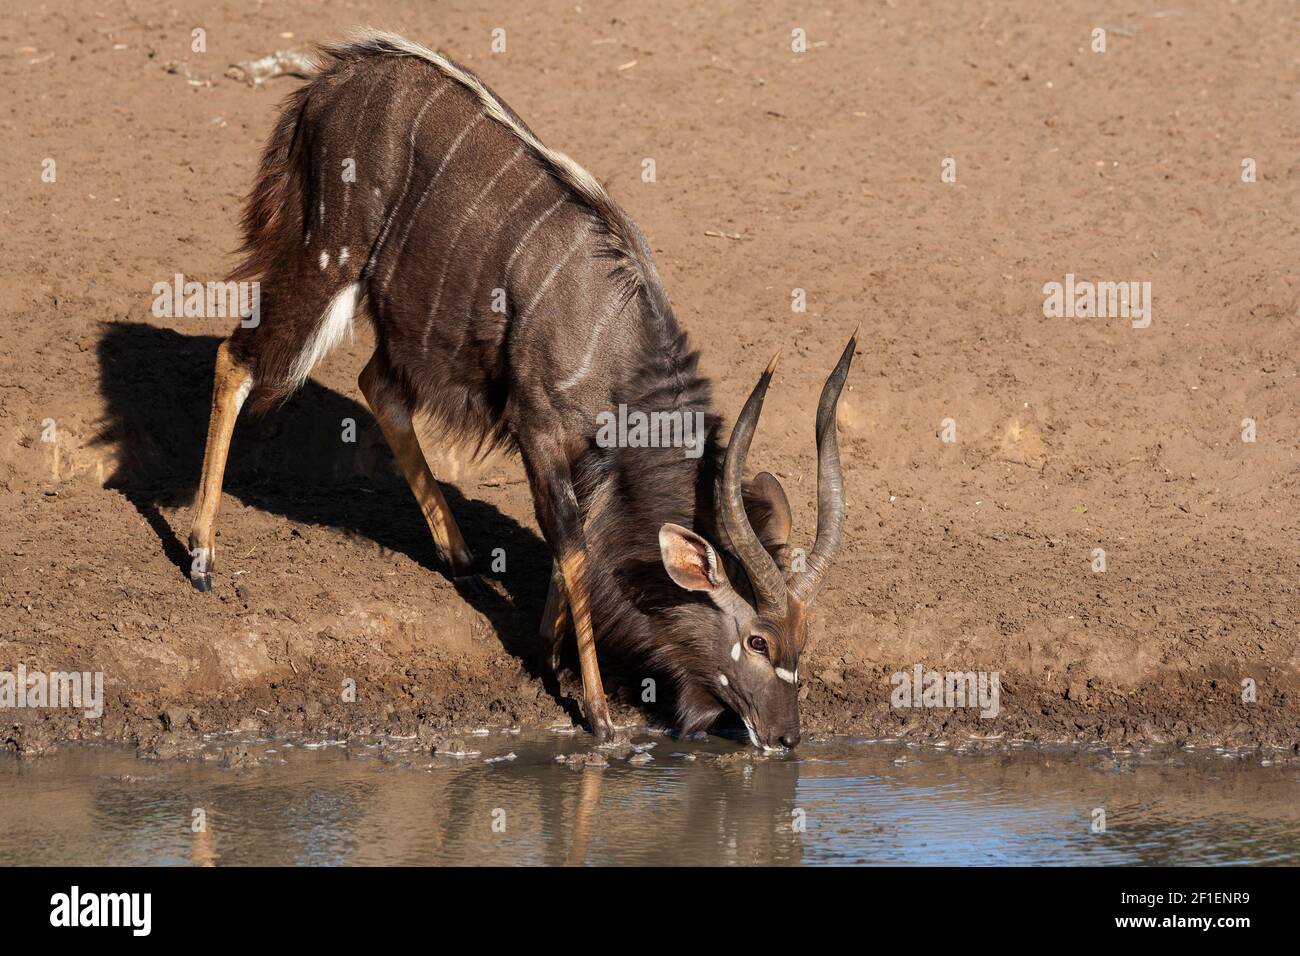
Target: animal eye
(758, 644)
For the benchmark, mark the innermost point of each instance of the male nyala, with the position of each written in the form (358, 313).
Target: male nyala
(514, 301)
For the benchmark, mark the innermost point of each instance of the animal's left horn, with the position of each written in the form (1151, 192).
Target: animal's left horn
(830, 484)
(769, 584)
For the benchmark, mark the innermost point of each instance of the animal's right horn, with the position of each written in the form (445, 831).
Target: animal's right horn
(769, 584)
(830, 484)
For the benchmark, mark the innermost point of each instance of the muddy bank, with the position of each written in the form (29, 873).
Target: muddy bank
(977, 554)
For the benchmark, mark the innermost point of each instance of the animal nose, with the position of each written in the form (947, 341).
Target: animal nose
(790, 739)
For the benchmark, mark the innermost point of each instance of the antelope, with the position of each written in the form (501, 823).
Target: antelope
(514, 302)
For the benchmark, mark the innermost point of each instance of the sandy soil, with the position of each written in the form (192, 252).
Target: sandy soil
(1072, 434)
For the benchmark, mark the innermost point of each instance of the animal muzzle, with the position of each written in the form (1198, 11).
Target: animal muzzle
(780, 733)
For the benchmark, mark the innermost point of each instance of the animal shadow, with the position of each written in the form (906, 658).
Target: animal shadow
(157, 384)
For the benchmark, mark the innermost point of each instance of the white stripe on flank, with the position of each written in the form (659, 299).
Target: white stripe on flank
(505, 220)
(406, 184)
(455, 238)
(410, 220)
(336, 320)
(541, 178)
(573, 174)
(623, 234)
(585, 367)
(347, 184)
(550, 277)
(519, 246)
(324, 260)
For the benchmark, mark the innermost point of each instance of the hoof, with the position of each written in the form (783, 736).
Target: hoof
(603, 730)
(202, 582)
(471, 585)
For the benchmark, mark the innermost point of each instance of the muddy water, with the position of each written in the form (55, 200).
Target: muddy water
(697, 802)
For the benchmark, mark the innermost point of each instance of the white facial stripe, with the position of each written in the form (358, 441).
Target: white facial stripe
(785, 675)
(722, 679)
(735, 651)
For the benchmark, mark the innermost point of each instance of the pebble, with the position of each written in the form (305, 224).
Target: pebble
(454, 747)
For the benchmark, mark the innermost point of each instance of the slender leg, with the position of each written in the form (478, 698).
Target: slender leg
(574, 568)
(392, 412)
(556, 616)
(557, 512)
(231, 384)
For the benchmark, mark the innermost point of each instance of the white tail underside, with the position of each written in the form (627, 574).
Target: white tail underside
(329, 332)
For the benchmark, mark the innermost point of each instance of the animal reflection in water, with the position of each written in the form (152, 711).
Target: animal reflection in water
(705, 811)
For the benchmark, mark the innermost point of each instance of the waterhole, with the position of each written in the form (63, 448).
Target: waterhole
(542, 798)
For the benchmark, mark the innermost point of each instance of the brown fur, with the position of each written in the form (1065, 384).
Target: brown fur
(455, 205)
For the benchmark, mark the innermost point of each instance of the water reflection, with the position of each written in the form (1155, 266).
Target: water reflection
(706, 803)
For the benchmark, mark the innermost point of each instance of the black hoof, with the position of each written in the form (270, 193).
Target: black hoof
(603, 730)
(202, 583)
(471, 585)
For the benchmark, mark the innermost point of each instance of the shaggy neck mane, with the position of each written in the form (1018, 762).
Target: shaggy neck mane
(627, 494)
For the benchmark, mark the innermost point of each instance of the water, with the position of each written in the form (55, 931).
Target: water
(835, 802)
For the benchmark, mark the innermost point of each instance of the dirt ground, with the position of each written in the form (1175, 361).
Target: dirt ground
(822, 170)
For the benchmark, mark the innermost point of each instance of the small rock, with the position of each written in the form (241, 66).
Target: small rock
(592, 759)
(453, 747)
(237, 758)
(175, 718)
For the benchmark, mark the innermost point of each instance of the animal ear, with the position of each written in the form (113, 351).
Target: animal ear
(691, 561)
(769, 511)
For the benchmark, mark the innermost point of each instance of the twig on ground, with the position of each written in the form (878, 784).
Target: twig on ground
(280, 63)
